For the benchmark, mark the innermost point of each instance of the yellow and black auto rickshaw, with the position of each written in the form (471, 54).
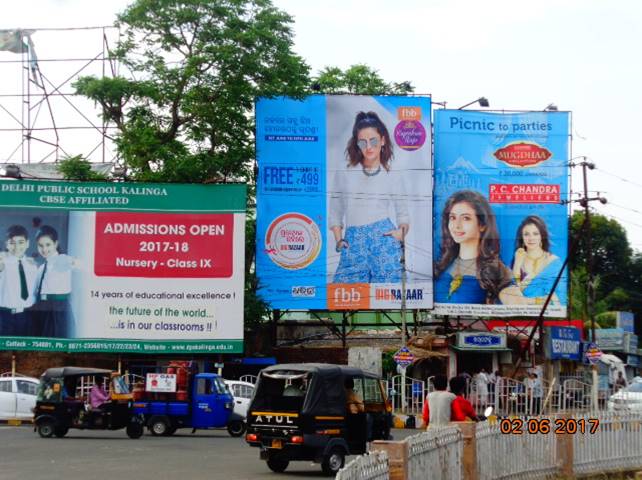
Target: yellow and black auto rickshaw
(316, 412)
(64, 402)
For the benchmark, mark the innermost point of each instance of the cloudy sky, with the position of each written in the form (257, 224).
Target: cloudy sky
(581, 55)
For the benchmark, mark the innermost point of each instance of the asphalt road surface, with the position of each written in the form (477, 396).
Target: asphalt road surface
(97, 455)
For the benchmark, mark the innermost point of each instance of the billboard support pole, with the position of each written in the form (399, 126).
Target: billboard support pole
(404, 336)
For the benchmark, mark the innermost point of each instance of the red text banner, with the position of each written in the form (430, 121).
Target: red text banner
(524, 193)
(157, 245)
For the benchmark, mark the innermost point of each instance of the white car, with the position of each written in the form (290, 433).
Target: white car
(242, 393)
(627, 398)
(17, 397)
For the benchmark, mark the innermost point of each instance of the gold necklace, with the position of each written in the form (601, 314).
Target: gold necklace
(458, 277)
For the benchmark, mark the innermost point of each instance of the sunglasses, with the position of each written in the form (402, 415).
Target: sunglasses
(363, 144)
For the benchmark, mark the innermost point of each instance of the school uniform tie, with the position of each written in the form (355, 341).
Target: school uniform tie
(42, 278)
(24, 291)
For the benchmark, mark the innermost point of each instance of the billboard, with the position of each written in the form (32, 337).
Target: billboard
(342, 181)
(501, 231)
(122, 267)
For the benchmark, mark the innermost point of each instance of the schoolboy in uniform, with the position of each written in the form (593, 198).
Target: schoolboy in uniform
(17, 280)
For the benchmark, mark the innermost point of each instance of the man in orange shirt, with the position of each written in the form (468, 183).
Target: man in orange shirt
(461, 409)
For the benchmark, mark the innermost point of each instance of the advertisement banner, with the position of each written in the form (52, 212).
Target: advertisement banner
(523, 328)
(611, 339)
(625, 321)
(342, 181)
(501, 231)
(118, 267)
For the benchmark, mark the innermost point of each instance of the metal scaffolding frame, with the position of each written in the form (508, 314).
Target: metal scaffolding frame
(42, 120)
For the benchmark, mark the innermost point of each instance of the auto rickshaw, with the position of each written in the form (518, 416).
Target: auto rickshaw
(63, 403)
(308, 411)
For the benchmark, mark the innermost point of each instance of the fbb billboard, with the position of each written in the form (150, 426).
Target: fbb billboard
(344, 184)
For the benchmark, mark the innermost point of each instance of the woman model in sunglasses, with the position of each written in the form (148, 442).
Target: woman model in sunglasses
(365, 197)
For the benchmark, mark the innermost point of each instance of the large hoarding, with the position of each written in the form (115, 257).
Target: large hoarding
(501, 230)
(120, 267)
(342, 180)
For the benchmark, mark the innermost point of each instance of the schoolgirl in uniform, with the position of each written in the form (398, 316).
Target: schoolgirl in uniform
(53, 286)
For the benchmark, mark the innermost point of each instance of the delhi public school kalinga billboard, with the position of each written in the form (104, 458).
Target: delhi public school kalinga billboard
(500, 227)
(144, 268)
(340, 178)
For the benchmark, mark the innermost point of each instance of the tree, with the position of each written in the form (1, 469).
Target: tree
(199, 64)
(357, 79)
(186, 113)
(79, 168)
(610, 248)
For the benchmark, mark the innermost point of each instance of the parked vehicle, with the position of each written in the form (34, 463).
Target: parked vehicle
(63, 402)
(316, 412)
(182, 398)
(17, 397)
(242, 393)
(627, 398)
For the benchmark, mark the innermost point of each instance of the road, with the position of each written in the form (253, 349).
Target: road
(97, 455)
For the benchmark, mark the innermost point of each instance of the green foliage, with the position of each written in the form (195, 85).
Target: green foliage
(358, 79)
(610, 247)
(200, 65)
(78, 168)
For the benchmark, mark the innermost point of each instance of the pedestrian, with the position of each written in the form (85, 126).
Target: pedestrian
(461, 409)
(620, 381)
(438, 405)
(538, 393)
(481, 382)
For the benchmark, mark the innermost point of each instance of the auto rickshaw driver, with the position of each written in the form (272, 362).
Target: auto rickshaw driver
(354, 402)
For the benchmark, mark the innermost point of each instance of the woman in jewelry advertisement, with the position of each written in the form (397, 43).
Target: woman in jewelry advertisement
(365, 235)
(535, 267)
(469, 269)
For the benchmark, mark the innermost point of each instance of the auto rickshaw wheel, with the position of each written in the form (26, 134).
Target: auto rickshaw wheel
(236, 428)
(60, 431)
(277, 465)
(158, 426)
(135, 430)
(46, 428)
(333, 462)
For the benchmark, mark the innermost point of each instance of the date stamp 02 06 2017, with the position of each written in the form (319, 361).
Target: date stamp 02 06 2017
(560, 426)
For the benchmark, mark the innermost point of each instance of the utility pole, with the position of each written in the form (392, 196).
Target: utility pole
(590, 290)
(589, 251)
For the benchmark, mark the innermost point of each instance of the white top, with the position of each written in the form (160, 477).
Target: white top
(10, 283)
(439, 405)
(57, 279)
(357, 199)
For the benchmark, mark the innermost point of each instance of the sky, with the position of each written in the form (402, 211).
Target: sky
(581, 55)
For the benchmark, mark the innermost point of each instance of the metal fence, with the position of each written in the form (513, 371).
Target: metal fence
(408, 395)
(598, 442)
(615, 445)
(438, 451)
(373, 466)
(504, 455)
